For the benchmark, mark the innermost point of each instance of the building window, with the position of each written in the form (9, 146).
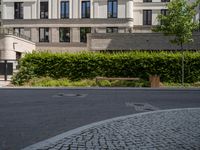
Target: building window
(44, 10)
(85, 9)
(18, 55)
(64, 34)
(147, 1)
(18, 31)
(83, 34)
(165, 13)
(112, 8)
(64, 9)
(43, 34)
(112, 30)
(165, 0)
(147, 17)
(19, 13)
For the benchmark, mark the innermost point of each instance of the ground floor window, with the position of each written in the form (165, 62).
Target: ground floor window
(147, 17)
(18, 31)
(43, 34)
(112, 30)
(83, 34)
(18, 55)
(64, 34)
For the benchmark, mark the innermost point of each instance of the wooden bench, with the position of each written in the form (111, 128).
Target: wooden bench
(124, 79)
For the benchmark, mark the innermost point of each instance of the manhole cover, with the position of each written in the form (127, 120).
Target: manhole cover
(69, 95)
(141, 106)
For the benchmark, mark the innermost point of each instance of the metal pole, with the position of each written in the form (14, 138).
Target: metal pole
(183, 70)
(5, 70)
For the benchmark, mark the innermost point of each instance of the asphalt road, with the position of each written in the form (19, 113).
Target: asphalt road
(28, 116)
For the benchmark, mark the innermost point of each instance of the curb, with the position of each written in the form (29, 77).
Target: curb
(100, 88)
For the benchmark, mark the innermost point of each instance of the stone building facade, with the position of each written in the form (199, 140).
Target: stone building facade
(64, 24)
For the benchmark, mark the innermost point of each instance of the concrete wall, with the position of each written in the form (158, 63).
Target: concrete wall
(137, 41)
(10, 44)
(61, 47)
(8, 10)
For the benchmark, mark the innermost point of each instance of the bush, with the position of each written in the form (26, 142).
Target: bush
(88, 65)
(63, 82)
(121, 83)
(104, 83)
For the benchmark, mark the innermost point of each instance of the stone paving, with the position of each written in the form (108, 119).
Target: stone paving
(159, 130)
(4, 83)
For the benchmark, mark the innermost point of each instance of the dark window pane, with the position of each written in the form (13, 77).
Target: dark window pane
(147, 1)
(112, 8)
(18, 32)
(44, 13)
(64, 9)
(165, 0)
(19, 13)
(147, 17)
(43, 34)
(112, 30)
(64, 34)
(85, 9)
(83, 34)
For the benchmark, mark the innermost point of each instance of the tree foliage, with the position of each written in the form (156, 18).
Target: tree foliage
(179, 22)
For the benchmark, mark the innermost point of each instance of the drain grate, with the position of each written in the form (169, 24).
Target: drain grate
(69, 95)
(141, 106)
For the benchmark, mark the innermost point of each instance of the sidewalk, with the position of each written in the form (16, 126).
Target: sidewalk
(4, 83)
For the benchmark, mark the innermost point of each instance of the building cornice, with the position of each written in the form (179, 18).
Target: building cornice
(151, 4)
(101, 22)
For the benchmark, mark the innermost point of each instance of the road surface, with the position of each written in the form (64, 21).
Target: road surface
(28, 116)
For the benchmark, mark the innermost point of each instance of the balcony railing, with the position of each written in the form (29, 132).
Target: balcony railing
(10, 31)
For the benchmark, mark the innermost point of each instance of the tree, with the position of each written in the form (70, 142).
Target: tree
(179, 23)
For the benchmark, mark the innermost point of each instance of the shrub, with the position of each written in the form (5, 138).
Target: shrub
(47, 81)
(88, 65)
(104, 83)
(121, 83)
(63, 82)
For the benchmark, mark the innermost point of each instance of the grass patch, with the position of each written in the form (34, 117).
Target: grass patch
(186, 85)
(64, 82)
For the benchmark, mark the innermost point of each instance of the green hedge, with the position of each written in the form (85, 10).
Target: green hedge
(88, 65)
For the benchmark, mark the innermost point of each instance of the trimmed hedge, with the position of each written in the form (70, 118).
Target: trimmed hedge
(88, 65)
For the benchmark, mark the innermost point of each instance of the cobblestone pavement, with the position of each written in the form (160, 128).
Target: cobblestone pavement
(159, 130)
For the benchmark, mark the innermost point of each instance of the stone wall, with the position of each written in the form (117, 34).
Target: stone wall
(10, 44)
(61, 47)
(136, 41)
